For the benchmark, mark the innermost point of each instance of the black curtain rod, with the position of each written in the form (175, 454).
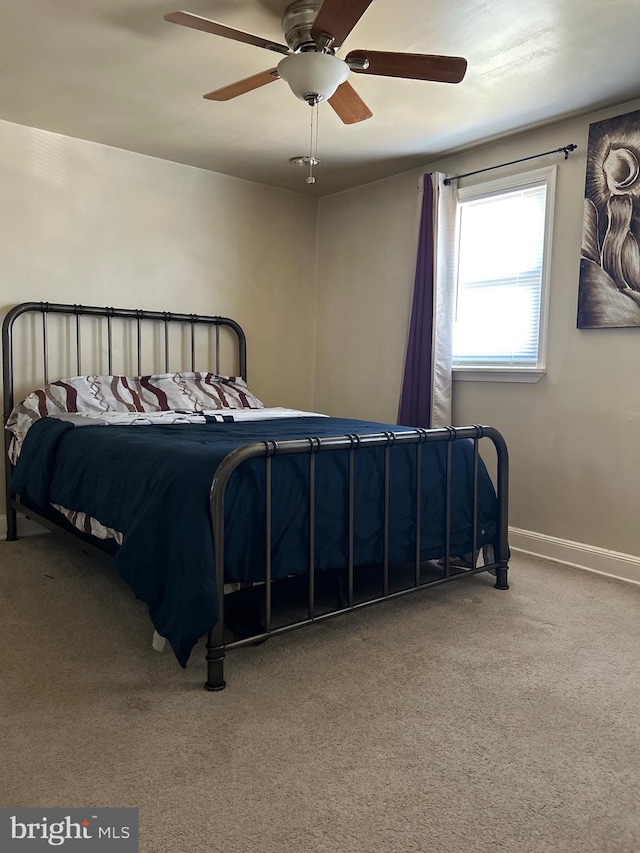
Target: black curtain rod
(564, 150)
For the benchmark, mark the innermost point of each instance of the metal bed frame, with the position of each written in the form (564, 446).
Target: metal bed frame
(267, 450)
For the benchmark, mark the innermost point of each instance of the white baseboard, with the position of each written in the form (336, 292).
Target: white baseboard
(614, 564)
(26, 526)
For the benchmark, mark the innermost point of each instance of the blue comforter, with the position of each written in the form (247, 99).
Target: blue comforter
(152, 483)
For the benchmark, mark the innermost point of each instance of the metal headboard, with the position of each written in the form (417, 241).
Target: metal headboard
(136, 316)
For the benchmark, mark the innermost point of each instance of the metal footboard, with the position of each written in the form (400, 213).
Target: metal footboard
(216, 645)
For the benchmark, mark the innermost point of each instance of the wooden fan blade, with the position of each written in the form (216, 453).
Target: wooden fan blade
(415, 66)
(337, 18)
(243, 86)
(186, 19)
(348, 105)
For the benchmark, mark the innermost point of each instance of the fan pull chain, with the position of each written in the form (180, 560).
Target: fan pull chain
(313, 142)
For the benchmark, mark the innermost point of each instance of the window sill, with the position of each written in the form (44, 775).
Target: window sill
(498, 374)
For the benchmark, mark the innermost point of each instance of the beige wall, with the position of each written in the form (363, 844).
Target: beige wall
(574, 437)
(85, 223)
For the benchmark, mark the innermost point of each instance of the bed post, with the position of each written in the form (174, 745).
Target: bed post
(501, 577)
(7, 387)
(12, 517)
(502, 539)
(12, 524)
(215, 657)
(215, 637)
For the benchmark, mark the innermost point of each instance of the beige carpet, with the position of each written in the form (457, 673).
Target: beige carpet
(458, 719)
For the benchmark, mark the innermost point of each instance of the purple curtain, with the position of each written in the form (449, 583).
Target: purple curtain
(415, 399)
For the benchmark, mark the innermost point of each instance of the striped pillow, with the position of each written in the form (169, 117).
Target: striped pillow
(163, 392)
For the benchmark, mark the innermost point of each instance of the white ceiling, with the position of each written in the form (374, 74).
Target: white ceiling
(115, 72)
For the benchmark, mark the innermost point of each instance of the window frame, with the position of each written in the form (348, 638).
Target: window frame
(497, 186)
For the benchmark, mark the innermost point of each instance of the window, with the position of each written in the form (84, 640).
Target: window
(504, 240)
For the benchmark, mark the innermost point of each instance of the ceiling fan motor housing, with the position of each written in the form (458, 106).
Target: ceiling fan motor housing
(297, 22)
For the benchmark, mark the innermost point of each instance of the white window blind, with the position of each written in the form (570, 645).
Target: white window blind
(501, 242)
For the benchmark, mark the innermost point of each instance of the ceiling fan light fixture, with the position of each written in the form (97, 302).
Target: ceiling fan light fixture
(313, 77)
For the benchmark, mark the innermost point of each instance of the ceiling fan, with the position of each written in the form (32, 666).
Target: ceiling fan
(314, 30)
